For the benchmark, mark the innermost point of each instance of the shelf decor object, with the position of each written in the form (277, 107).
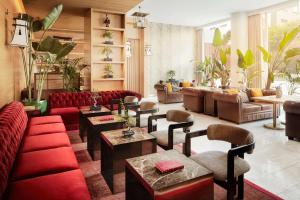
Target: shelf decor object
(107, 21)
(140, 19)
(105, 49)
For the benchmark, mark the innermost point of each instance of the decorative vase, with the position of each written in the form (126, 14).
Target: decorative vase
(278, 92)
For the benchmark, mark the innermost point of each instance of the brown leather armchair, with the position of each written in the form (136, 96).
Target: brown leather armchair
(232, 108)
(167, 97)
(228, 167)
(292, 117)
(193, 99)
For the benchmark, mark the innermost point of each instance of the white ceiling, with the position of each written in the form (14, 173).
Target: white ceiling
(198, 12)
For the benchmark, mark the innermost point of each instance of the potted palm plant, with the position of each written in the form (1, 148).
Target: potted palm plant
(70, 69)
(171, 74)
(219, 60)
(107, 51)
(277, 59)
(108, 37)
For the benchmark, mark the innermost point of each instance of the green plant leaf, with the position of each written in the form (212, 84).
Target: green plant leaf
(65, 50)
(249, 58)
(241, 62)
(288, 38)
(291, 53)
(266, 55)
(217, 40)
(223, 56)
(51, 18)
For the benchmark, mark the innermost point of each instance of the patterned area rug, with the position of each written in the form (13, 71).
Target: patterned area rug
(99, 189)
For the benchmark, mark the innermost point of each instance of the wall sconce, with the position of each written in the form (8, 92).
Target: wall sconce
(140, 19)
(21, 33)
(128, 49)
(148, 50)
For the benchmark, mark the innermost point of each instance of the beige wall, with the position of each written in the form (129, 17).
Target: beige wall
(173, 47)
(11, 70)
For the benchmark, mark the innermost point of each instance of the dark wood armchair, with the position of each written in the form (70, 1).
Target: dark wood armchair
(228, 168)
(167, 138)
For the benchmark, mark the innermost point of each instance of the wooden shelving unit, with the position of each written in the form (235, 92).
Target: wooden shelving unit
(93, 30)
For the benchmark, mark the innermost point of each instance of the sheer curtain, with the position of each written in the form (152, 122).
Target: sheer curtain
(257, 34)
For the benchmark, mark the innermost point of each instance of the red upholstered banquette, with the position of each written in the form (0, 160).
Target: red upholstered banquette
(36, 158)
(67, 104)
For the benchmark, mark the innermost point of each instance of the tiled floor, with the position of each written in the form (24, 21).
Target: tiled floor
(275, 162)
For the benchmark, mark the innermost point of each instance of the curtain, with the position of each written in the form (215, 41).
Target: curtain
(256, 38)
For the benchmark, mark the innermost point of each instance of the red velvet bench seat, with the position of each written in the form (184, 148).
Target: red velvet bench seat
(36, 158)
(68, 104)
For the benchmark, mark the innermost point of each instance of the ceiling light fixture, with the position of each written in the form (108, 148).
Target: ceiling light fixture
(140, 18)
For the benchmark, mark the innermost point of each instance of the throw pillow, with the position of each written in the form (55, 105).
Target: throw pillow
(169, 87)
(231, 91)
(256, 92)
(186, 84)
(244, 97)
(176, 88)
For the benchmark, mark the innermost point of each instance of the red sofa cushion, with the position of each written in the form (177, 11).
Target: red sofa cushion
(13, 121)
(47, 141)
(69, 115)
(68, 185)
(69, 99)
(45, 120)
(44, 162)
(46, 129)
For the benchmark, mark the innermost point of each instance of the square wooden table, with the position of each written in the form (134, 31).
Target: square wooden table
(95, 127)
(143, 181)
(115, 148)
(84, 114)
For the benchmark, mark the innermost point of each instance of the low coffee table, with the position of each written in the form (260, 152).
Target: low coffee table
(95, 127)
(143, 181)
(84, 114)
(115, 148)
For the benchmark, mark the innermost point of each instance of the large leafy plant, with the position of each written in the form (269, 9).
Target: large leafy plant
(220, 57)
(49, 50)
(70, 69)
(245, 63)
(278, 58)
(293, 78)
(204, 70)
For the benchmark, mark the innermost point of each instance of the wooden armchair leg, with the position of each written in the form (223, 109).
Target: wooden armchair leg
(241, 187)
(231, 187)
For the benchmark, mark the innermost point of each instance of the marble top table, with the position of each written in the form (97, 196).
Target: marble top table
(85, 113)
(95, 128)
(115, 148)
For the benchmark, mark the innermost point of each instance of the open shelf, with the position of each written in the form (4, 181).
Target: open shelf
(109, 62)
(109, 45)
(109, 28)
(109, 79)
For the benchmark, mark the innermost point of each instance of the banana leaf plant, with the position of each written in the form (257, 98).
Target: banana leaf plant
(204, 70)
(245, 63)
(277, 60)
(28, 54)
(49, 51)
(220, 68)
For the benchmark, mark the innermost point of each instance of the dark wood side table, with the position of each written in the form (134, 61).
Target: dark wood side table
(144, 182)
(95, 127)
(84, 114)
(115, 148)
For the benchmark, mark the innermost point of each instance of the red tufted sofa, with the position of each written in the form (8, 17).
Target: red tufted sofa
(36, 158)
(68, 104)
